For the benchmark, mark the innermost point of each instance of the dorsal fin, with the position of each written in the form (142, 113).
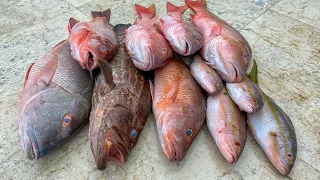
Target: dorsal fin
(106, 14)
(150, 23)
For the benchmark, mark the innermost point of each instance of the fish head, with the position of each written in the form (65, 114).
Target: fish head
(112, 136)
(48, 120)
(147, 50)
(90, 41)
(231, 147)
(281, 153)
(236, 57)
(177, 132)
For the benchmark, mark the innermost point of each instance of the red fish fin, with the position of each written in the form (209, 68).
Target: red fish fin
(135, 21)
(173, 92)
(59, 43)
(150, 23)
(151, 90)
(47, 73)
(196, 3)
(72, 22)
(173, 8)
(106, 71)
(106, 14)
(193, 17)
(144, 12)
(27, 75)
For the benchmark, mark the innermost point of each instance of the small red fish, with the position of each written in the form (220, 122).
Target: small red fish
(225, 49)
(179, 108)
(184, 37)
(146, 45)
(90, 41)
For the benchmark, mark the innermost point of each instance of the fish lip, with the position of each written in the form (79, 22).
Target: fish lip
(175, 148)
(282, 168)
(32, 150)
(249, 108)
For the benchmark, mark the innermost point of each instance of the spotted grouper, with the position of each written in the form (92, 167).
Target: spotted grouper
(120, 106)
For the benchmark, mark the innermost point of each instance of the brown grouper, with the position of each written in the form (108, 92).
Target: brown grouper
(179, 108)
(120, 106)
(225, 49)
(55, 102)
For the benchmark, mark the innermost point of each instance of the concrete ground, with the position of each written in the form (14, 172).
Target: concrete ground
(285, 38)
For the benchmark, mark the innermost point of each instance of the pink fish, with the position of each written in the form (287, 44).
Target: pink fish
(225, 49)
(184, 37)
(90, 41)
(145, 44)
(206, 77)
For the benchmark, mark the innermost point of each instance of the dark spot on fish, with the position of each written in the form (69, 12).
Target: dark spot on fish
(246, 56)
(189, 132)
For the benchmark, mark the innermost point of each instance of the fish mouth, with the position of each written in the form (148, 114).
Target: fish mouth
(31, 150)
(114, 151)
(187, 49)
(91, 60)
(227, 151)
(282, 168)
(210, 87)
(174, 153)
(248, 107)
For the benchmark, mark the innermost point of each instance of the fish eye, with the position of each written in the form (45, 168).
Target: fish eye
(103, 48)
(134, 133)
(189, 132)
(67, 120)
(164, 50)
(289, 155)
(246, 56)
(237, 143)
(198, 40)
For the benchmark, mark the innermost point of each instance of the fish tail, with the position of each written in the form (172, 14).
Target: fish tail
(173, 8)
(144, 12)
(105, 14)
(196, 3)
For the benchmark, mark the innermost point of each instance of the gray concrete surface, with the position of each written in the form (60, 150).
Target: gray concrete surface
(285, 38)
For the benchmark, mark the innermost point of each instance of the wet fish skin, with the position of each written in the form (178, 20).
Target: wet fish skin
(184, 37)
(119, 108)
(146, 45)
(246, 94)
(55, 102)
(227, 125)
(225, 49)
(205, 76)
(92, 40)
(274, 132)
(178, 107)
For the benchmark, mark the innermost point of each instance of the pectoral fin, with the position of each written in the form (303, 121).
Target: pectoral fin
(151, 90)
(106, 71)
(48, 71)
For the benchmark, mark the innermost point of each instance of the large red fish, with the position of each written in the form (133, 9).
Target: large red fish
(92, 40)
(55, 102)
(225, 49)
(178, 107)
(184, 37)
(146, 45)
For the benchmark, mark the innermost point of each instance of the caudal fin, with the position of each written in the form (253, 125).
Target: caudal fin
(173, 8)
(105, 14)
(144, 12)
(196, 3)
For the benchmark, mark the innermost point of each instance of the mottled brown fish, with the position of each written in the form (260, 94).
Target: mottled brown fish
(178, 107)
(120, 106)
(55, 102)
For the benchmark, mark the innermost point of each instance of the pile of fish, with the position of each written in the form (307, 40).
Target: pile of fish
(100, 74)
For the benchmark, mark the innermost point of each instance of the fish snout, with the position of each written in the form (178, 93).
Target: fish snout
(29, 146)
(282, 168)
(171, 148)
